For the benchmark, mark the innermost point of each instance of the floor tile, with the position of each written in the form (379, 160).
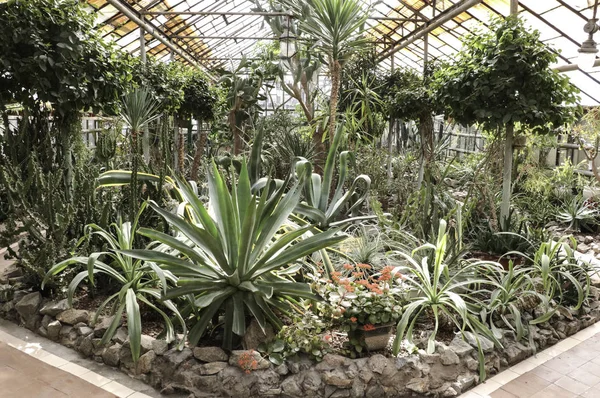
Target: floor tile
(565, 363)
(584, 376)
(95, 379)
(546, 373)
(526, 385)
(524, 366)
(554, 391)
(118, 389)
(505, 377)
(502, 393)
(572, 385)
(74, 369)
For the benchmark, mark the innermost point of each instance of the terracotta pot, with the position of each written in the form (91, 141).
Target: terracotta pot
(376, 337)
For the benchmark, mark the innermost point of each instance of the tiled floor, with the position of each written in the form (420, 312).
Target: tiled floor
(52, 370)
(22, 375)
(568, 369)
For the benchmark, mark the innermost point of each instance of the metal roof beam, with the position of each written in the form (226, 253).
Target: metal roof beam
(430, 25)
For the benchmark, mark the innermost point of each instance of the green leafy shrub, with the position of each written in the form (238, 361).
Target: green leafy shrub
(307, 334)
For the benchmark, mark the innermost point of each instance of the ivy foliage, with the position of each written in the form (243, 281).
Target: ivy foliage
(503, 75)
(200, 98)
(410, 94)
(50, 52)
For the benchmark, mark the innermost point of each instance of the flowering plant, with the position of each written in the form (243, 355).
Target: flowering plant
(362, 300)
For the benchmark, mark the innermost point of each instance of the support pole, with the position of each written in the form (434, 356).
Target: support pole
(143, 45)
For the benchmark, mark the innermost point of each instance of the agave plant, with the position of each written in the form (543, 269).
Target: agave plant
(322, 209)
(140, 282)
(437, 292)
(241, 262)
(577, 213)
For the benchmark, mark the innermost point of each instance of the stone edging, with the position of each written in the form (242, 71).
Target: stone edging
(450, 371)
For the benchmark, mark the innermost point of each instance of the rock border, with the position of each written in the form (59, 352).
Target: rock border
(448, 372)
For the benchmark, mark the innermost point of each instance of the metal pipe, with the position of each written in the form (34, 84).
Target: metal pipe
(223, 37)
(571, 67)
(220, 13)
(143, 45)
(431, 25)
(514, 7)
(264, 14)
(151, 29)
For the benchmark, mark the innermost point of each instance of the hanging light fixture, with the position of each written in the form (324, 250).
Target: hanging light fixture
(287, 41)
(588, 49)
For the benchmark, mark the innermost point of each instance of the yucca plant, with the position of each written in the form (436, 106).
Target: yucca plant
(140, 282)
(513, 293)
(320, 207)
(336, 27)
(435, 291)
(241, 261)
(555, 270)
(138, 108)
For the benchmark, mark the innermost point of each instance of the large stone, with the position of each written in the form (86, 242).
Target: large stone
(176, 357)
(46, 321)
(86, 347)
(54, 308)
(54, 329)
(377, 363)
(110, 355)
(102, 325)
(418, 385)
(144, 364)
(486, 344)
(254, 335)
(248, 360)
(337, 378)
(210, 354)
(32, 322)
(73, 316)
(160, 346)
(84, 330)
(311, 382)
(212, 368)
(460, 347)
(291, 386)
(332, 361)
(121, 335)
(29, 305)
(449, 357)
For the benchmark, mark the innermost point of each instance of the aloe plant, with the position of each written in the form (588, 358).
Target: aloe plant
(241, 262)
(138, 281)
(320, 207)
(434, 290)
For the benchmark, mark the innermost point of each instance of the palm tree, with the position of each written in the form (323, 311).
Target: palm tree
(336, 27)
(138, 108)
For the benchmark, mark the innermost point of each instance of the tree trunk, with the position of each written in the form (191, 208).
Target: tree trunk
(507, 173)
(200, 144)
(181, 149)
(334, 97)
(427, 145)
(134, 171)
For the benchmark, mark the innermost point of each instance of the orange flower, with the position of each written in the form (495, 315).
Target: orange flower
(363, 282)
(327, 337)
(348, 267)
(364, 266)
(368, 327)
(357, 274)
(353, 319)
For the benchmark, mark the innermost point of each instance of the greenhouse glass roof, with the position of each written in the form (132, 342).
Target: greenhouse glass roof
(219, 33)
